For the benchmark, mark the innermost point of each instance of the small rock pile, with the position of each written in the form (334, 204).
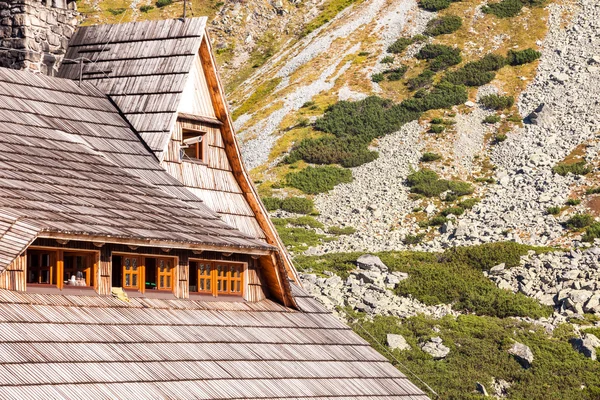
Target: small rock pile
(570, 282)
(369, 289)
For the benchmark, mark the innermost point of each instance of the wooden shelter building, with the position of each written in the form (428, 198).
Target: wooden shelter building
(136, 259)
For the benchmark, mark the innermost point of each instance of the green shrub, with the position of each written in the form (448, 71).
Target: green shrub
(492, 119)
(117, 11)
(413, 239)
(504, 9)
(163, 3)
(146, 9)
(573, 202)
(434, 5)
(437, 128)
(468, 203)
(308, 104)
(271, 203)
(443, 95)
(486, 256)
(336, 230)
(298, 239)
(432, 51)
(387, 60)
(429, 157)
(377, 77)
(477, 73)
(592, 232)
(437, 121)
(554, 210)
(349, 152)
(578, 168)
(428, 183)
(579, 221)
(305, 221)
(443, 25)
(594, 190)
(298, 205)
(363, 53)
(424, 79)
(501, 137)
(453, 211)
(313, 180)
(365, 119)
(438, 220)
(495, 102)
(395, 74)
(399, 45)
(515, 57)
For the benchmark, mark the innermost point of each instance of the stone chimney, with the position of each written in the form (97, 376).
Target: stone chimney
(37, 32)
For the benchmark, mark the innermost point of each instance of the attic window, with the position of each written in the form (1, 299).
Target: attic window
(217, 278)
(193, 146)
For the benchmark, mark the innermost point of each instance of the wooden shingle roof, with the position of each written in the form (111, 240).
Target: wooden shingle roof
(70, 164)
(142, 66)
(75, 347)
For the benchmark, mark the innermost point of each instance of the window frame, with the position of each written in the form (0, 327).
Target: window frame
(201, 146)
(57, 267)
(142, 269)
(217, 280)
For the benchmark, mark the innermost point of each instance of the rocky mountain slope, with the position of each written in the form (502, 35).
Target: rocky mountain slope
(452, 219)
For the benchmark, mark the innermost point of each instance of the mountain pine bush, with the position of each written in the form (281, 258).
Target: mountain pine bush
(399, 45)
(477, 73)
(496, 102)
(522, 57)
(443, 25)
(504, 9)
(298, 205)
(314, 180)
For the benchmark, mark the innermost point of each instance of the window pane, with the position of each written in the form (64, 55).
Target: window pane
(238, 286)
(127, 263)
(201, 285)
(134, 263)
(127, 280)
(168, 281)
(162, 282)
(208, 282)
(232, 286)
(134, 280)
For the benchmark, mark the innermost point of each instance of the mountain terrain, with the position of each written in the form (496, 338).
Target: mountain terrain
(433, 168)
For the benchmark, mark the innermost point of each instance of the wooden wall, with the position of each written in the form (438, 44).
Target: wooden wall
(257, 288)
(14, 277)
(212, 181)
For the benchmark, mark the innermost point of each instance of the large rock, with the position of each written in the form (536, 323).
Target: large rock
(593, 304)
(522, 353)
(435, 348)
(587, 345)
(397, 342)
(542, 116)
(371, 262)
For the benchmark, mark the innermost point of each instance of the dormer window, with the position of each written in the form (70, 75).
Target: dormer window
(193, 146)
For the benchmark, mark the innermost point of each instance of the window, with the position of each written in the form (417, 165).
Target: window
(144, 273)
(192, 145)
(217, 278)
(78, 269)
(61, 268)
(41, 267)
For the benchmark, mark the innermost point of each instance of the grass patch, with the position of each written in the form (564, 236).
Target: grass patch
(504, 8)
(261, 92)
(146, 8)
(573, 202)
(478, 353)
(298, 205)
(413, 239)
(435, 5)
(594, 190)
(578, 168)
(313, 180)
(400, 45)
(443, 25)
(468, 203)
(163, 3)
(297, 239)
(328, 12)
(387, 60)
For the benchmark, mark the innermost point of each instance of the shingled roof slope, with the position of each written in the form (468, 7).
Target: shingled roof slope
(143, 66)
(98, 348)
(69, 163)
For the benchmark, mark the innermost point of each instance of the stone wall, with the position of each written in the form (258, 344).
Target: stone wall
(38, 31)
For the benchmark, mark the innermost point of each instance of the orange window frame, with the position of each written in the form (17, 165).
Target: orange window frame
(56, 268)
(220, 277)
(134, 276)
(164, 273)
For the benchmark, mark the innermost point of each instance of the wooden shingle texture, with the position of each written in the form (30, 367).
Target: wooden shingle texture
(69, 163)
(77, 347)
(142, 66)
